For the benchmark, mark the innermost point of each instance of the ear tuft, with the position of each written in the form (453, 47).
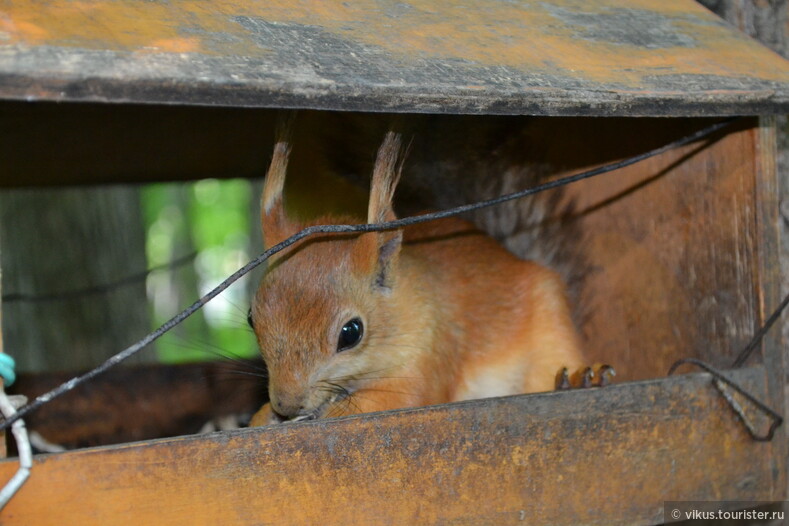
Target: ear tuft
(274, 221)
(386, 175)
(275, 178)
(382, 248)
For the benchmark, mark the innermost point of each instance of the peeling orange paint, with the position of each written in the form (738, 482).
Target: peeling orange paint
(13, 29)
(176, 45)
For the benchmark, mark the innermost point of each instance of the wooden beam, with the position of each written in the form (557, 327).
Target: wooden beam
(601, 456)
(601, 57)
(768, 273)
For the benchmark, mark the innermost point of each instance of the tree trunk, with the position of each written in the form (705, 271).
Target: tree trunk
(54, 242)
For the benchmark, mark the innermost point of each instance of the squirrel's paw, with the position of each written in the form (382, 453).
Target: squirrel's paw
(265, 417)
(599, 375)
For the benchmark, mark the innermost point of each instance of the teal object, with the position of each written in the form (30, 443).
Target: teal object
(7, 369)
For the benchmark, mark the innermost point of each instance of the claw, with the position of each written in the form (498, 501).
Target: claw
(563, 380)
(605, 373)
(599, 375)
(587, 378)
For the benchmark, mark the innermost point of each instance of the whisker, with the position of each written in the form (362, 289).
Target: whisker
(338, 387)
(348, 403)
(236, 325)
(389, 391)
(246, 373)
(351, 378)
(366, 376)
(238, 307)
(328, 390)
(214, 350)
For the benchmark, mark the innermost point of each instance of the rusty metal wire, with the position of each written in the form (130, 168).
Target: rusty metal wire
(757, 338)
(348, 229)
(99, 289)
(775, 418)
(742, 357)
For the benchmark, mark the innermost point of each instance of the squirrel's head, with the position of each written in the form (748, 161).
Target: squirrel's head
(321, 311)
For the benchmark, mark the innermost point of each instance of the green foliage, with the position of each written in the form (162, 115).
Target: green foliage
(211, 219)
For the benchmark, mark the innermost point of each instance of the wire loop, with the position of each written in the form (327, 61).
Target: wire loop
(23, 446)
(776, 419)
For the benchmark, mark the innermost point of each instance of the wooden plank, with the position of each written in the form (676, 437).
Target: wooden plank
(55, 144)
(671, 243)
(601, 57)
(767, 210)
(608, 456)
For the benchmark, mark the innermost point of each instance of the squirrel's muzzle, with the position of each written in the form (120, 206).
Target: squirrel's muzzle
(287, 405)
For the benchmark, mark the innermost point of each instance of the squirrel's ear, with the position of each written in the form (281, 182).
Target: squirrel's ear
(274, 221)
(379, 250)
(386, 175)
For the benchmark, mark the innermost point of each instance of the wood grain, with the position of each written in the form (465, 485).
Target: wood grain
(673, 247)
(602, 57)
(607, 456)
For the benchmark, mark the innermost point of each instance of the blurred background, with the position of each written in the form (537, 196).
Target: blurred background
(104, 265)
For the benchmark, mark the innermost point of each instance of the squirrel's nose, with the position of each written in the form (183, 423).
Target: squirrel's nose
(287, 404)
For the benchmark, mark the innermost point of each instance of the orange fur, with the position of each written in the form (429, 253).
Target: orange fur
(448, 314)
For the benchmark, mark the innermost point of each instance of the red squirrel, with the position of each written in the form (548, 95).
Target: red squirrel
(432, 313)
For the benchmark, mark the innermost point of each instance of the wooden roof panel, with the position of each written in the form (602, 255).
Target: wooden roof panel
(555, 58)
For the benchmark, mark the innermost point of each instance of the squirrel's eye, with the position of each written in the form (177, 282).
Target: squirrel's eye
(249, 318)
(350, 335)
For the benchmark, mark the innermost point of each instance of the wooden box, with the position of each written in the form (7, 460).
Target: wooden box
(684, 245)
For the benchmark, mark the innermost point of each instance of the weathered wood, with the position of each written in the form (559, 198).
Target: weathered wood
(673, 248)
(609, 456)
(768, 282)
(55, 144)
(768, 22)
(763, 20)
(602, 57)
